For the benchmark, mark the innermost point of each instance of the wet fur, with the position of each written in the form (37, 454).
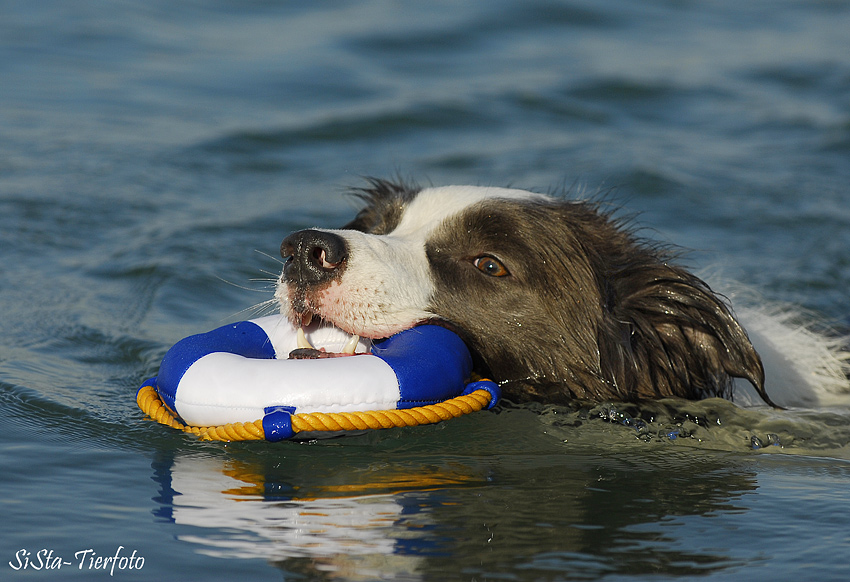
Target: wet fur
(590, 311)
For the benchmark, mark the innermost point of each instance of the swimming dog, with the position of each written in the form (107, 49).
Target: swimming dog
(557, 299)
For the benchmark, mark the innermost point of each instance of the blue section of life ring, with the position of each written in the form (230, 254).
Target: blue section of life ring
(431, 363)
(244, 338)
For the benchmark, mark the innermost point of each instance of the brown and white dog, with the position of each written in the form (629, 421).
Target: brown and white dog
(556, 299)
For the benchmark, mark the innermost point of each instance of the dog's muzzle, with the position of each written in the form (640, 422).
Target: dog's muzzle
(313, 257)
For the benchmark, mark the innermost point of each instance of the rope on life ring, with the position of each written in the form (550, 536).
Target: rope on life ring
(474, 399)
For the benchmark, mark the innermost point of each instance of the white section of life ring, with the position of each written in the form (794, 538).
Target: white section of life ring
(222, 388)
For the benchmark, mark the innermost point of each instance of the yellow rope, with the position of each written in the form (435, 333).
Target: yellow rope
(152, 405)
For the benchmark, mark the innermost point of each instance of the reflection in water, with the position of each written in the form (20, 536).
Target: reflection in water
(276, 520)
(339, 512)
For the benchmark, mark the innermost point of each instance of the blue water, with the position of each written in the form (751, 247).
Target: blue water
(153, 155)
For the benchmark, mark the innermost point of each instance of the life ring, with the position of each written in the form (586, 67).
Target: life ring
(236, 383)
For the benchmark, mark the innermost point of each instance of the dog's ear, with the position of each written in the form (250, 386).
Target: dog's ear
(384, 203)
(666, 333)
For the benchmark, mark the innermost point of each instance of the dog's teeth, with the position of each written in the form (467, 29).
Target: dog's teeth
(302, 341)
(351, 345)
(306, 319)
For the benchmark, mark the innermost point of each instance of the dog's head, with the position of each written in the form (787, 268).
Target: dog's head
(555, 299)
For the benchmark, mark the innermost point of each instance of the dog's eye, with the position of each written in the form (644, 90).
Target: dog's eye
(490, 266)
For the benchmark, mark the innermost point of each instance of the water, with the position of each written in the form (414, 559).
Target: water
(154, 155)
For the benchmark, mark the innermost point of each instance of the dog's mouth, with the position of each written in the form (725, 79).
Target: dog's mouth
(308, 320)
(306, 313)
(307, 351)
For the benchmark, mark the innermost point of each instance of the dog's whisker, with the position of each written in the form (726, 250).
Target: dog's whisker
(273, 276)
(272, 257)
(268, 284)
(257, 310)
(243, 287)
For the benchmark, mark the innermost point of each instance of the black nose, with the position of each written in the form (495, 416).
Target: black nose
(313, 256)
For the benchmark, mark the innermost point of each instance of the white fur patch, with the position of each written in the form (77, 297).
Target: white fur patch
(801, 367)
(434, 205)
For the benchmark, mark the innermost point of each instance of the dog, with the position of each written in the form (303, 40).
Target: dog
(557, 300)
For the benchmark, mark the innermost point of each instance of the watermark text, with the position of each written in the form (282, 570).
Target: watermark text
(46, 559)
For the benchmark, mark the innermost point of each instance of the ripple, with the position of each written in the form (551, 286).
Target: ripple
(346, 128)
(714, 424)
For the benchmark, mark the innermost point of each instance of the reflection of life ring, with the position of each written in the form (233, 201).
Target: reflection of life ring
(228, 384)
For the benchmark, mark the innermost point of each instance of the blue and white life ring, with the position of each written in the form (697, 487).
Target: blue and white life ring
(240, 372)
